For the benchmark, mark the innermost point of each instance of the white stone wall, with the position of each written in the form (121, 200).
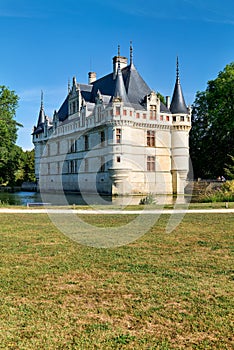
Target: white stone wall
(65, 161)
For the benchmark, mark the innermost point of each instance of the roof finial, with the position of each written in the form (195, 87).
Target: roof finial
(118, 50)
(69, 85)
(131, 53)
(42, 106)
(177, 69)
(118, 58)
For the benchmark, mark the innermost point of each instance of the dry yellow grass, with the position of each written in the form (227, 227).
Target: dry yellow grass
(163, 291)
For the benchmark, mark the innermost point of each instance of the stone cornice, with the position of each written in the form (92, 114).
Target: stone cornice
(181, 127)
(143, 125)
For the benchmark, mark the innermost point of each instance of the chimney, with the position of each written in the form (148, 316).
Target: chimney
(168, 102)
(119, 60)
(92, 77)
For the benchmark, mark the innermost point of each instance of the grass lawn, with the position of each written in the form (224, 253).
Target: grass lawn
(163, 291)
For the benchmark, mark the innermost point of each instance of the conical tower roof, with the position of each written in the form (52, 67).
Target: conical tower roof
(41, 117)
(178, 103)
(119, 90)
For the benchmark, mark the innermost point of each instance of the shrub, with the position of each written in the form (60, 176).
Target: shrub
(149, 199)
(223, 194)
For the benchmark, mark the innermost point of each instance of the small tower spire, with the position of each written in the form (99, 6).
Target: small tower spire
(120, 90)
(42, 105)
(118, 50)
(131, 53)
(177, 69)
(178, 103)
(41, 117)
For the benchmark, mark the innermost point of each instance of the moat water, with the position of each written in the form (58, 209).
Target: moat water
(26, 198)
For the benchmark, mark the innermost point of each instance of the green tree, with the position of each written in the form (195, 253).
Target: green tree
(162, 98)
(28, 166)
(212, 134)
(8, 132)
(20, 167)
(229, 170)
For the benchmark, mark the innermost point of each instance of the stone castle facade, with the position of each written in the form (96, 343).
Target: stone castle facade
(114, 136)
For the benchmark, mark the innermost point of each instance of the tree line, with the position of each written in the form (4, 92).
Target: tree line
(16, 165)
(212, 133)
(211, 136)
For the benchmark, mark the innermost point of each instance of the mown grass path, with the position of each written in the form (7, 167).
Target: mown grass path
(114, 211)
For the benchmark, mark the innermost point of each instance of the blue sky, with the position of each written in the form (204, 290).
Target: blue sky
(44, 43)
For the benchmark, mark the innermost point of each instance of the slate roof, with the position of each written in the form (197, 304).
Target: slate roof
(120, 90)
(129, 85)
(63, 111)
(41, 117)
(40, 121)
(136, 87)
(178, 104)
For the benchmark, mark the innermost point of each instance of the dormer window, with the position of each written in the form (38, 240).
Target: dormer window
(117, 111)
(73, 107)
(152, 112)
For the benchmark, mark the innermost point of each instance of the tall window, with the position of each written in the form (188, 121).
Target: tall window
(86, 142)
(150, 163)
(76, 166)
(118, 135)
(72, 146)
(71, 165)
(102, 136)
(151, 138)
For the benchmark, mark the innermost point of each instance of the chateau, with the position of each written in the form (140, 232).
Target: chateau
(114, 136)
